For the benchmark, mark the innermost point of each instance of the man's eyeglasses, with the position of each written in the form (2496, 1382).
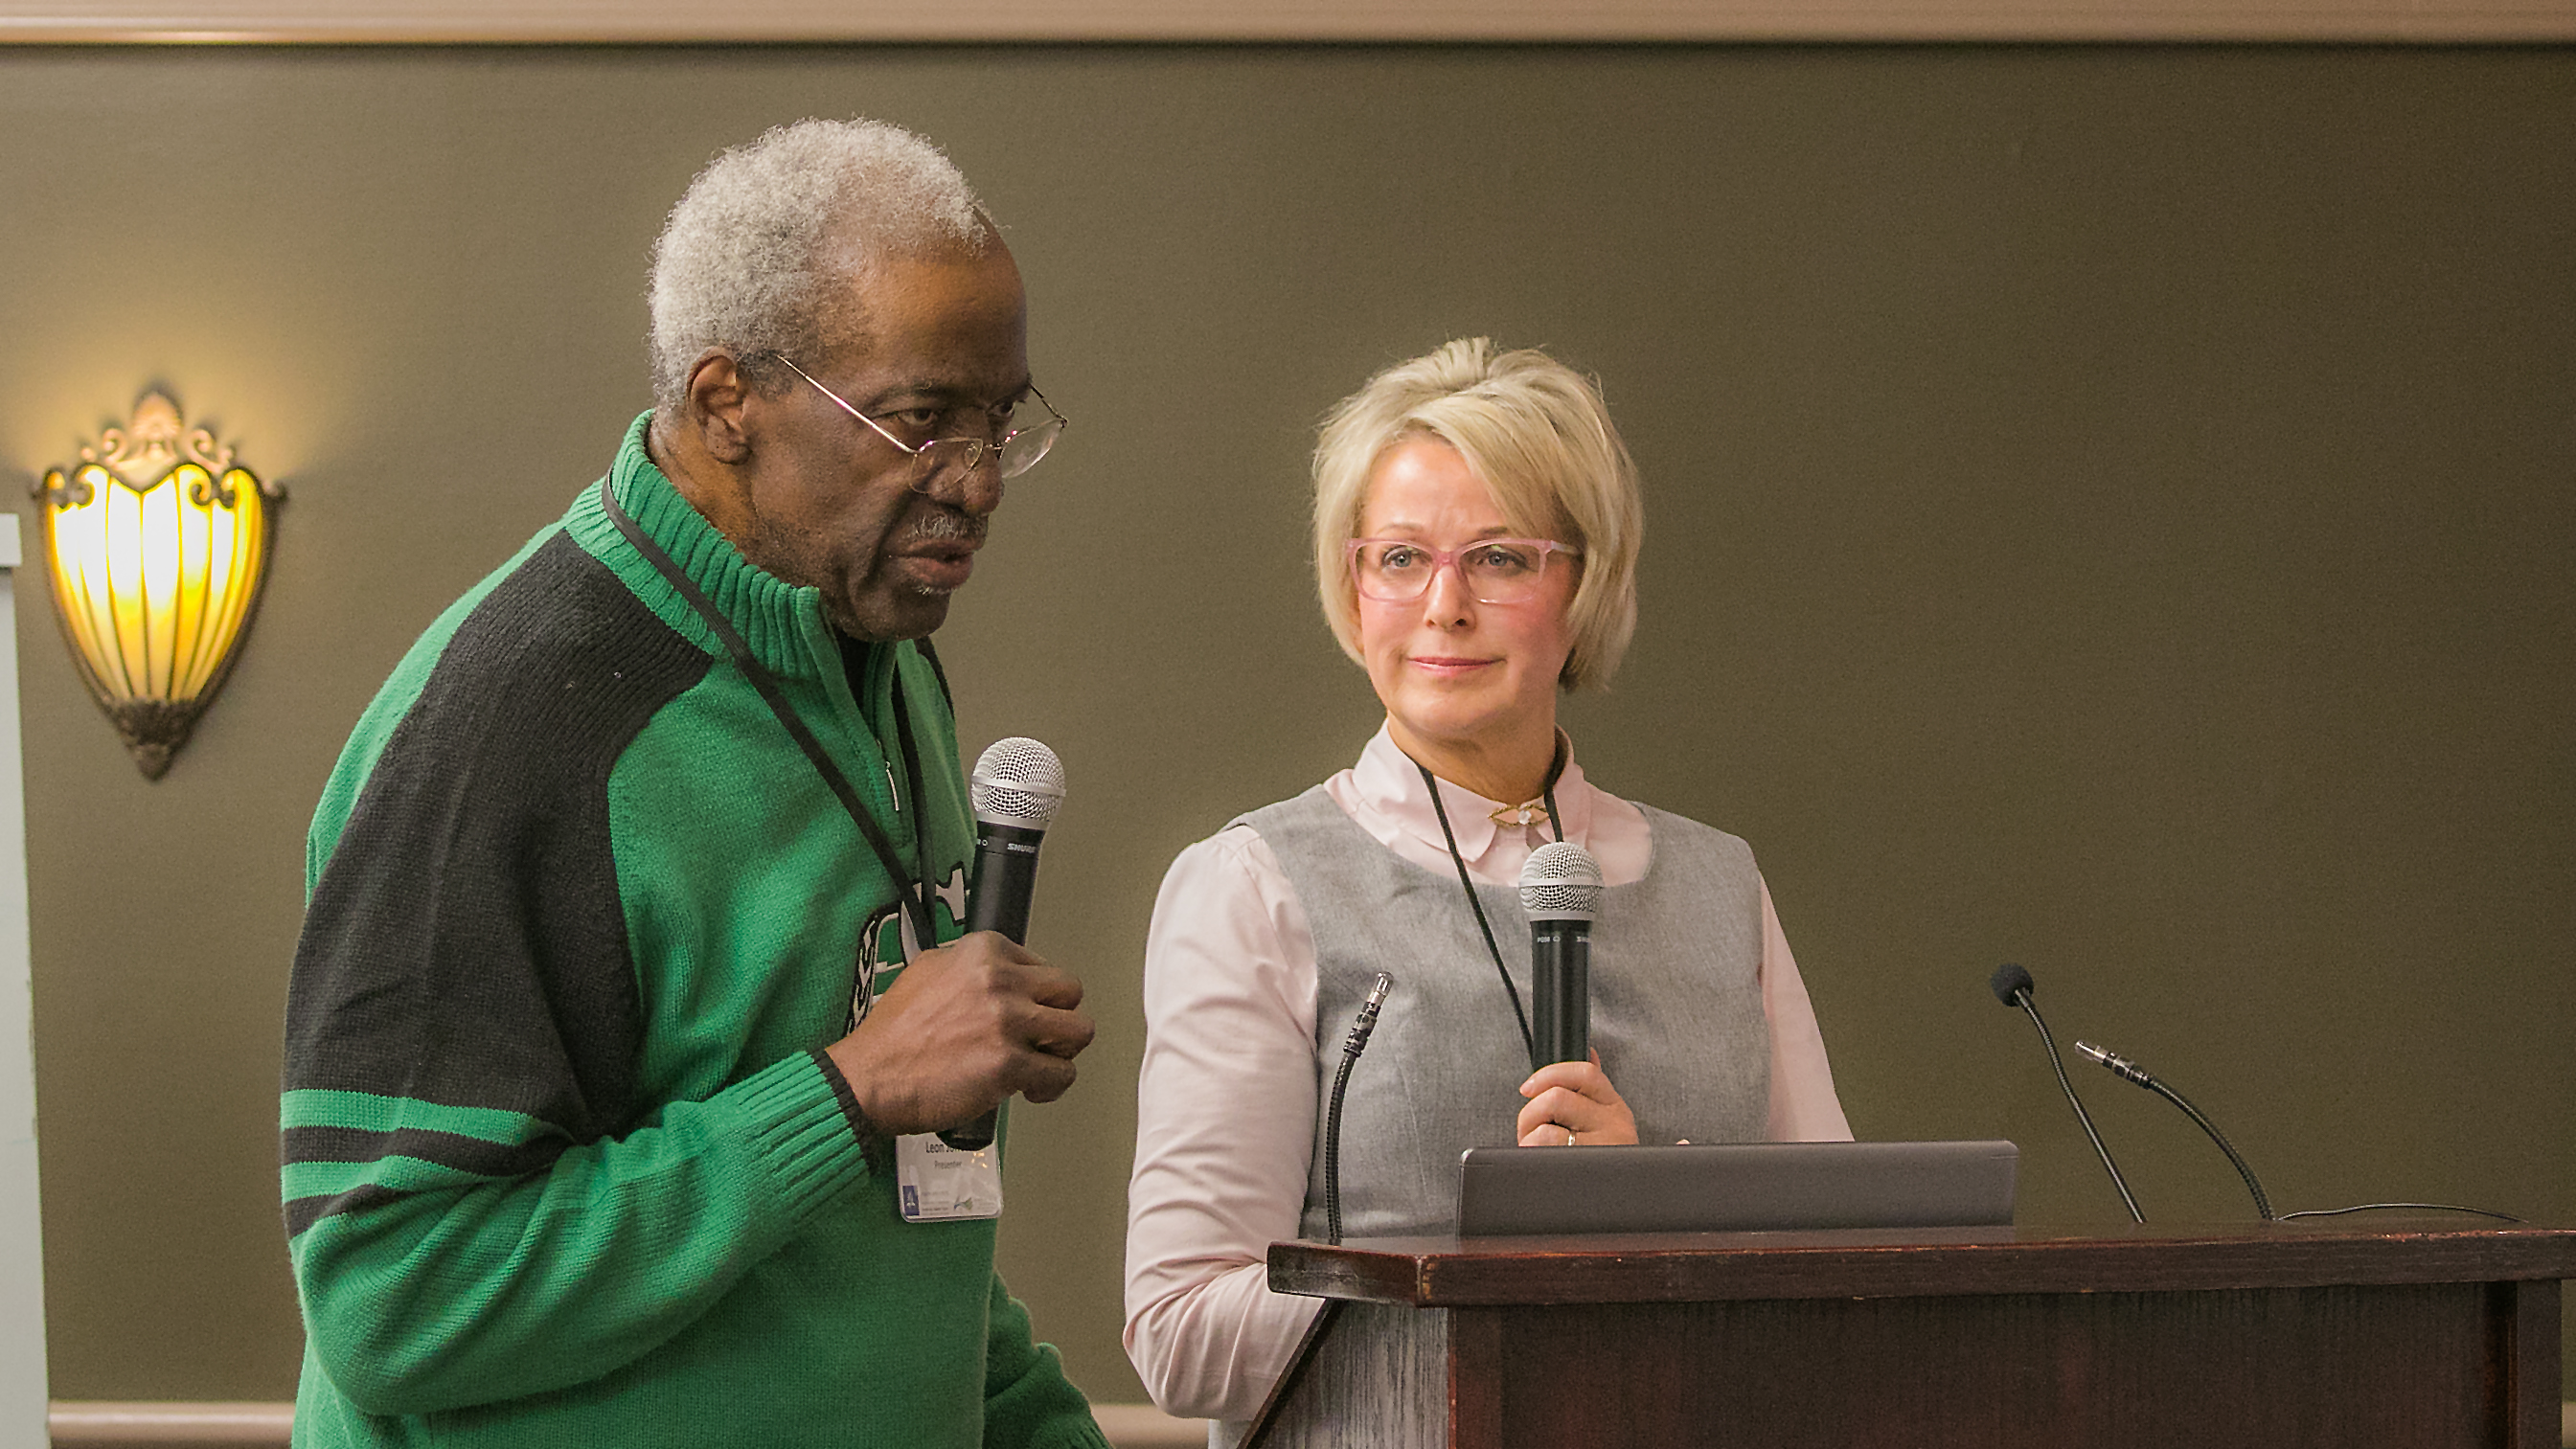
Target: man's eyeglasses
(946, 460)
(1495, 570)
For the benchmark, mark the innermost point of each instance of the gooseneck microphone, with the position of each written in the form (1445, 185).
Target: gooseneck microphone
(2129, 1071)
(1266, 1418)
(1361, 1027)
(2012, 986)
(1016, 787)
(1561, 894)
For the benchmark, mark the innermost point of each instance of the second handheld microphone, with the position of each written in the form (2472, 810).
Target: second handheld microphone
(1561, 895)
(1016, 787)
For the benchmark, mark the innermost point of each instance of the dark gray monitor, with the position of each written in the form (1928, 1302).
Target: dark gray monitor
(1735, 1187)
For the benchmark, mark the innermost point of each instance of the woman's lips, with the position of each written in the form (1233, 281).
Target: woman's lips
(1447, 667)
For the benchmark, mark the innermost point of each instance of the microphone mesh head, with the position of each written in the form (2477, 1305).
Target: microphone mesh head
(2009, 982)
(1562, 882)
(1017, 782)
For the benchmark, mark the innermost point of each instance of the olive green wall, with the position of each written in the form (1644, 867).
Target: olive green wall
(2111, 509)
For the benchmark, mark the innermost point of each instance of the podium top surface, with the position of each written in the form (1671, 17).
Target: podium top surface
(1882, 1263)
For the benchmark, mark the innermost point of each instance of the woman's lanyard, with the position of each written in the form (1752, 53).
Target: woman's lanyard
(914, 897)
(1547, 794)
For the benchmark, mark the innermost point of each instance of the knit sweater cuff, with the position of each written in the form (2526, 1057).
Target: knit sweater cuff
(848, 1099)
(799, 1132)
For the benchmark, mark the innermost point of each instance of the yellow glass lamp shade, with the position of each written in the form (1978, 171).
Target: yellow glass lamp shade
(157, 545)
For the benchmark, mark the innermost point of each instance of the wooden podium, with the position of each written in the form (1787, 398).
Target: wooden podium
(2418, 1333)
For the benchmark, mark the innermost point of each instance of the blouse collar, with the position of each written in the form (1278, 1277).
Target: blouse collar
(1387, 783)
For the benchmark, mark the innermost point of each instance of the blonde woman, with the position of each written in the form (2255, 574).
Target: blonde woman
(1476, 529)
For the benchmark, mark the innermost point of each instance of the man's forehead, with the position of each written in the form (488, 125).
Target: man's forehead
(989, 277)
(937, 324)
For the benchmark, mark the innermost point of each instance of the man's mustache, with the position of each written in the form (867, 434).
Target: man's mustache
(942, 524)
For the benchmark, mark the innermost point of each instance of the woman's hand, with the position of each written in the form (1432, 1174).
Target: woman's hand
(1571, 1102)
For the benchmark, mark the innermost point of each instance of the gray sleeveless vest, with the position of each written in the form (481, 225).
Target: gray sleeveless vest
(1676, 1006)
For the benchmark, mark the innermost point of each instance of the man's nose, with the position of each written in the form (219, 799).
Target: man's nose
(974, 491)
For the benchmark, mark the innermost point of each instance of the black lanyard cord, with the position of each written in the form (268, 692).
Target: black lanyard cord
(1547, 793)
(916, 902)
(1529, 1042)
(925, 926)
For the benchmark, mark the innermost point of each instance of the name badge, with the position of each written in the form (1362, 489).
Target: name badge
(936, 1183)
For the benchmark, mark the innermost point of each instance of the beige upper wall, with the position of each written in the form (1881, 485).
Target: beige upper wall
(1312, 20)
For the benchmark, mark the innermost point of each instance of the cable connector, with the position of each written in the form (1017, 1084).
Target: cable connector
(2120, 1066)
(1366, 1021)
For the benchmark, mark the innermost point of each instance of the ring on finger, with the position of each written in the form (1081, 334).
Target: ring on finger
(1569, 1137)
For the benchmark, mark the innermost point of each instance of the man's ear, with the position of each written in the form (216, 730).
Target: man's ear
(717, 394)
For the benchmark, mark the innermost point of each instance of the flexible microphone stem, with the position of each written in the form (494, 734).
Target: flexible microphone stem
(2122, 1183)
(1267, 1418)
(2130, 1071)
(1361, 1026)
(2012, 987)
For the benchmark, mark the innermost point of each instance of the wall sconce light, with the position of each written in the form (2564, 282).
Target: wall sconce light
(157, 545)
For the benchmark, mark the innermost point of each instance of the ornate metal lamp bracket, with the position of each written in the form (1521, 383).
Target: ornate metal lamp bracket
(156, 582)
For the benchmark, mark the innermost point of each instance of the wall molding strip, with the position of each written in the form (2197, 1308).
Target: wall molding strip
(87, 1422)
(502, 22)
(176, 1426)
(158, 1425)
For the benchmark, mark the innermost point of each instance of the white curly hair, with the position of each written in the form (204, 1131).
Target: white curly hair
(747, 259)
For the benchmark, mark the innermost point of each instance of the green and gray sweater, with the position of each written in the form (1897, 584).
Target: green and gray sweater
(563, 1164)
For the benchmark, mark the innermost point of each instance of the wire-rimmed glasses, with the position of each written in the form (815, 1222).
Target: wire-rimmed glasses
(1495, 570)
(944, 460)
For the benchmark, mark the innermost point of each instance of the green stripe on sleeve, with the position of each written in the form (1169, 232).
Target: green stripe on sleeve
(369, 1112)
(395, 1174)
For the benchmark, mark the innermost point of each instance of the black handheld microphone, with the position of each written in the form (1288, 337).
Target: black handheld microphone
(1561, 894)
(2012, 986)
(2129, 1071)
(1016, 787)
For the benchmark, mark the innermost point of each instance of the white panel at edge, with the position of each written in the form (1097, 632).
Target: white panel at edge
(22, 1260)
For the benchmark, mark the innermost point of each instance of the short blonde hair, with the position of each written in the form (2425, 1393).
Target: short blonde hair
(1535, 432)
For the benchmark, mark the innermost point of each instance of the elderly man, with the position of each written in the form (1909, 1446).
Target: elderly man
(631, 989)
